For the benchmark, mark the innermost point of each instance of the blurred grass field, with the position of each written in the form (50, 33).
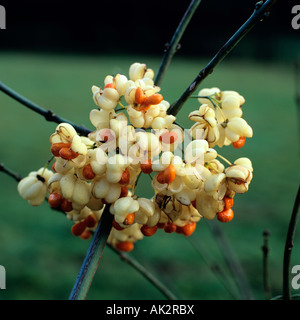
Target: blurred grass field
(41, 256)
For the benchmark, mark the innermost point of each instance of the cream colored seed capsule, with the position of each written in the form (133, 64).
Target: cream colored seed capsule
(216, 186)
(100, 118)
(34, 187)
(122, 207)
(102, 189)
(244, 162)
(106, 99)
(64, 133)
(238, 178)
(207, 206)
(75, 190)
(137, 71)
(206, 93)
(78, 145)
(146, 214)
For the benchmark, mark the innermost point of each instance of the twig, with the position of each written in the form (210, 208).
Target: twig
(93, 256)
(265, 249)
(297, 92)
(288, 248)
(261, 10)
(47, 114)
(145, 273)
(231, 260)
(174, 46)
(9, 172)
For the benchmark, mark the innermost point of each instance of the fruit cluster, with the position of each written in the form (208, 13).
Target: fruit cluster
(135, 135)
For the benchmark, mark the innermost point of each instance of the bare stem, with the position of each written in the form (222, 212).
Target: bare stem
(260, 12)
(265, 249)
(47, 114)
(93, 256)
(297, 91)
(174, 46)
(146, 274)
(9, 172)
(288, 248)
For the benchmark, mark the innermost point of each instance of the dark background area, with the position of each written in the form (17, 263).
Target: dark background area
(140, 27)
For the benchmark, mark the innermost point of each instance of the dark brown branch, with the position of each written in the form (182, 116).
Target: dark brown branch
(174, 46)
(47, 114)
(288, 248)
(260, 12)
(9, 172)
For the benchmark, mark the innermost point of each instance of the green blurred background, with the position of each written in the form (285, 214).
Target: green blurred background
(41, 257)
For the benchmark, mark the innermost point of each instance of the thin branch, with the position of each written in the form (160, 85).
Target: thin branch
(146, 274)
(174, 45)
(288, 248)
(93, 256)
(47, 114)
(9, 172)
(297, 92)
(260, 12)
(231, 260)
(265, 249)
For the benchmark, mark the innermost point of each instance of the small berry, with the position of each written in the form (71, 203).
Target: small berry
(55, 200)
(88, 172)
(139, 96)
(56, 147)
(146, 167)
(161, 225)
(124, 192)
(167, 176)
(90, 221)
(170, 227)
(225, 215)
(67, 154)
(86, 234)
(78, 228)
(129, 219)
(126, 246)
(148, 231)
(154, 99)
(189, 228)
(125, 177)
(66, 206)
(240, 143)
